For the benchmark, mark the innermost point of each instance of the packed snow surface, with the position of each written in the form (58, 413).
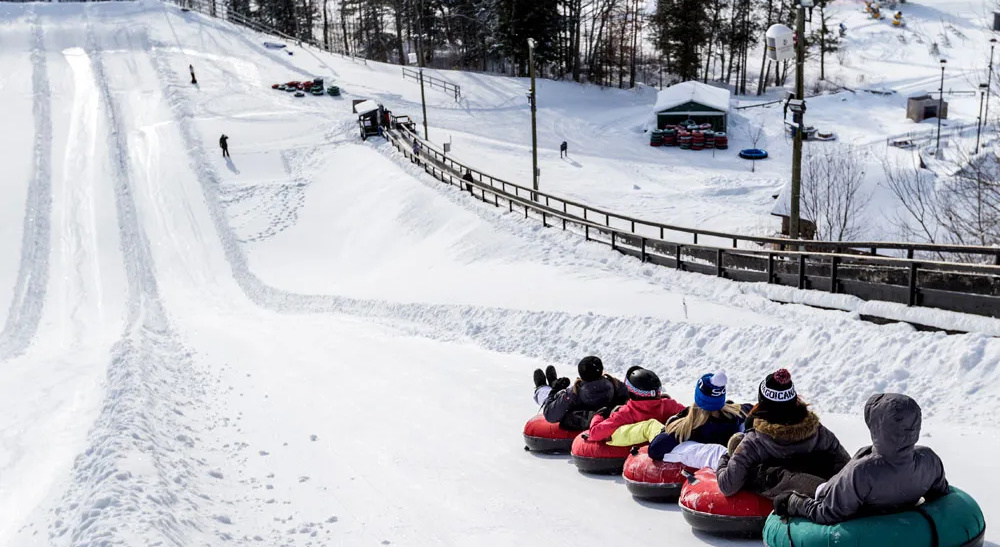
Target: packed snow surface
(315, 343)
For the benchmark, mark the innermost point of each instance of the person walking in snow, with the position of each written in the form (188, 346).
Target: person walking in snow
(467, 177)
(645, 405)
(564, 150)
(787, 448)
(573, 406)
(891, 474)
(224, 144)
(193, 79)
(416, 151)
(711, 420)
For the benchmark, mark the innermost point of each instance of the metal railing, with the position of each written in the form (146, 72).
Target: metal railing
(447, 87)
(967, 288)
(644, 228)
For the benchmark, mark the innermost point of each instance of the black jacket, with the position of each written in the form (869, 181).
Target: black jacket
(572, 408)
(890, 475)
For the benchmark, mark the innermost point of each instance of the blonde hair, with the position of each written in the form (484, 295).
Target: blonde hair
(682, 428)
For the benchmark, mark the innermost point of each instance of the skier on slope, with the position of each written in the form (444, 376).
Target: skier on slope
(224, 144)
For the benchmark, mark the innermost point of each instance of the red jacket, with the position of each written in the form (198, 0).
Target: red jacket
(633, 412)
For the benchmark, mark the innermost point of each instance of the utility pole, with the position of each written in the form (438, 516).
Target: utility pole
(423, 102)
(534, 132)
(979, 120)
(800, 95)
(937, 150)
(989, 82)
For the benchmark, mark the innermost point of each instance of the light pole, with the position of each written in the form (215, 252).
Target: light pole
(979, 120)
(937, 151)
(534, 133)
(798, 117)
(989, 82)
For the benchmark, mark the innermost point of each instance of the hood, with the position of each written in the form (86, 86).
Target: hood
(597, 393)
(894, 421)
(789, 434)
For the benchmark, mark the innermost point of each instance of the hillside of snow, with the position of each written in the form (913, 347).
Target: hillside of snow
(315, 343)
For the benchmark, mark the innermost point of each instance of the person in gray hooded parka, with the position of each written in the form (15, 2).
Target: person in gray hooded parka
(891, 475)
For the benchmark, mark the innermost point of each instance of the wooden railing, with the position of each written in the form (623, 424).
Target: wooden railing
(447, 87)
(962, 287)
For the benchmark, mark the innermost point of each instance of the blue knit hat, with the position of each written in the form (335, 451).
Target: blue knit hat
(710, 394)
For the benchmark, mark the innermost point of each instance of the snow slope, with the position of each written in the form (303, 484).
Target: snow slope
(316, 344)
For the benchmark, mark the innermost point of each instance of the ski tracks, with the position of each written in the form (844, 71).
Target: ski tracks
(136, 482)
(33, 273)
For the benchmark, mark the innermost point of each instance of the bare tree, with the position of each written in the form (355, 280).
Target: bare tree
(833, 196)
(754, 130)
(913, 187)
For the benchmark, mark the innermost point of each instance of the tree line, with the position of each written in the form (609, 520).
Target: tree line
(609, 42)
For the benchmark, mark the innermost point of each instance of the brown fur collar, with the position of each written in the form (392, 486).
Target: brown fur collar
(789, 433)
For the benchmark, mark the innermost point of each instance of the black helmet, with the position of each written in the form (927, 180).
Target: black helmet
(642, 383)
(590, 368)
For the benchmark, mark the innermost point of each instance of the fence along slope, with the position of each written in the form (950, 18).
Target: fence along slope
(967, 288)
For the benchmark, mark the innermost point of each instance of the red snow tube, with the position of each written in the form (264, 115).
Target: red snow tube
(707, 510)
(542, 436)
(653, 480)
(598, 458)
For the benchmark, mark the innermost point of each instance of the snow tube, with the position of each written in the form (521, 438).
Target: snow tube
(598, 458)
(543, 436)
(958, 522)
(648, 479)
(707, 510)
(753, 154)
(299, 94)
(275, 86)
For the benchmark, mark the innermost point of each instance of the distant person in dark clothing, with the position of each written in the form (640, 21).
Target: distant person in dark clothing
(224, 144)
(416, 152)
(193, 79)
(468, 177)
(564, 150)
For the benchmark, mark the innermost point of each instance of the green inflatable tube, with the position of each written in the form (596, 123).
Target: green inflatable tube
(957, 517)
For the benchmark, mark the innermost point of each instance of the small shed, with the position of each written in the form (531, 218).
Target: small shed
(694, 101)
(369, 118)
(924, 106)
(783, 209)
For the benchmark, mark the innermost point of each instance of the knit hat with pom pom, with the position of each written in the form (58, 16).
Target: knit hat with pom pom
(777, 401)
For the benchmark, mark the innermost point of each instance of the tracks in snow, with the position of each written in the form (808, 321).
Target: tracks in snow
(33, 273)
(135, 483)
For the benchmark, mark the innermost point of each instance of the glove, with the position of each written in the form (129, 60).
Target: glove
(560, 384)
(734, 443)
(604, 412)
(781, 504)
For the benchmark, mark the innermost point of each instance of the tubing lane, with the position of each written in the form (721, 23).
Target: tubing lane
(33, 273)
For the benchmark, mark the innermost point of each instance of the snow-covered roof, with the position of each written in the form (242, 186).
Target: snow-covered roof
(783, 205)
(678, 94)
(366, 107)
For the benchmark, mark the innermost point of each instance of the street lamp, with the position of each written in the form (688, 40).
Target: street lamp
(534, 132)
(989, 81)
(979, 120)
(940, 108)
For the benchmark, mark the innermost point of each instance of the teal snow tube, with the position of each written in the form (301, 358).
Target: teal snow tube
(958, 522)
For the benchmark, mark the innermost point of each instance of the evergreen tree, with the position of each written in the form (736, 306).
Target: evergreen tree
(523, 19)
(682, 27)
